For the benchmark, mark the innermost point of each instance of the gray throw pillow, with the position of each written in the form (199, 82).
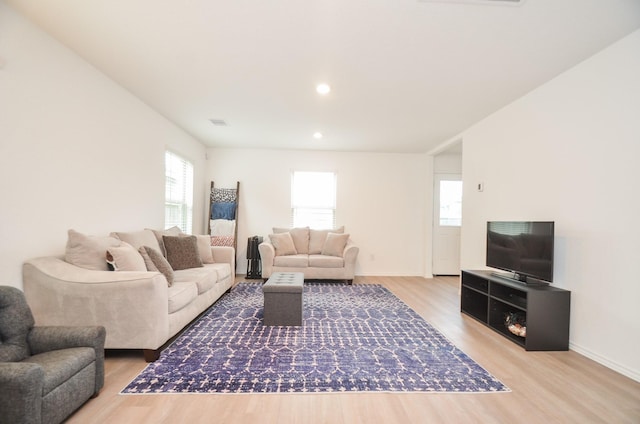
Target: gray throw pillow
(182, 252)
(156, 262)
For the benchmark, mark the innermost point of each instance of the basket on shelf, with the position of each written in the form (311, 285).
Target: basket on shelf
(516, 324)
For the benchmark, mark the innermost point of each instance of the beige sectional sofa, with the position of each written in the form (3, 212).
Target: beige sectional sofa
(141, 306)
(318, 254)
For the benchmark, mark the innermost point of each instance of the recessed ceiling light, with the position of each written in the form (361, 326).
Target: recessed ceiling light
(323, 89)
(317, 135)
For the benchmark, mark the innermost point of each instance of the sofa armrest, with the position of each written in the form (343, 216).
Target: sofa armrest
(132, 306)
(225, 255)
(350, 253)
(21, 386)
(267, 254)
(44, 339)
(56, 267)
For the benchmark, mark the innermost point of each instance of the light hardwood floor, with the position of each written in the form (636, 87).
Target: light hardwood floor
(546, 387)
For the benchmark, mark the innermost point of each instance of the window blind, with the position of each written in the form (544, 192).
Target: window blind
(178, 207)
(313, 199)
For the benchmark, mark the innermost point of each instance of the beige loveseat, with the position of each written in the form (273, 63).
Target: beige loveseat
(318, 254)
(140, 308)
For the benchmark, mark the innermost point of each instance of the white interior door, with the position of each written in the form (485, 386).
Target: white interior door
(446, 224)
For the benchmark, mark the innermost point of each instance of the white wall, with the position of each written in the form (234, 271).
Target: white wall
(569, 152)
(381, 200)
(447, 163)
(76, 150)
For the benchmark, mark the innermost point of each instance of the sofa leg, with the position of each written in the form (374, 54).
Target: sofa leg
(151, 355)
(350, 282)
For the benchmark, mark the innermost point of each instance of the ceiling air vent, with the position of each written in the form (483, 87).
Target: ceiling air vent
(218, 122)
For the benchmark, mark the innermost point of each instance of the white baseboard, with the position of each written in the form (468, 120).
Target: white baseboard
(627, 372)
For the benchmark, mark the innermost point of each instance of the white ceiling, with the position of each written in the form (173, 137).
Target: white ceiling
(406, 75)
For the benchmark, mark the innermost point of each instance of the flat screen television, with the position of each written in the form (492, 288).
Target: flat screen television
(523, 248)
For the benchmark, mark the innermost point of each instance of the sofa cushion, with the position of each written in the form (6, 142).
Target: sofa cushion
(182, 252)
(222, 269)
(204, 278)
(318, 237)
(292, 261)
(334, 244)
(283, 244)
(299, 235)
(154, 261)
(125, 258)
(16, 321)
(60, 365)
(325, 261)
(138, 238)
(204, 248)
(173, 231)
(181, 294)
(88, 252)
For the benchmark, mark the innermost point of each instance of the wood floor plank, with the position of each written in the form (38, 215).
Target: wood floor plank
(546, 387)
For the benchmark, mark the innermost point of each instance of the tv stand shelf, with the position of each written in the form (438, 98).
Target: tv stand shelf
(489, 299)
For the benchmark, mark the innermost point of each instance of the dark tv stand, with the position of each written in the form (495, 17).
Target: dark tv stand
(489, 298)
(520, 278)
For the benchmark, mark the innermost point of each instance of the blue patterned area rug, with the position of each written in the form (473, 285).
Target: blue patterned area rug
(358, 338)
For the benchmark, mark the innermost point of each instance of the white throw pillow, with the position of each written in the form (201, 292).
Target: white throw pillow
(125, 258)
(299, 235)
(283, 244)
(334, 244)
(89, 252)
(317, 238)
(204, 248)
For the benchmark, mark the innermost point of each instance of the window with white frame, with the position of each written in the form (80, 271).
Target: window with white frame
(451, 203)
(313, 199)
(178, 206)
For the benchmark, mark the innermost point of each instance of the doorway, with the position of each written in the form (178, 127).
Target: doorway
(447, 220)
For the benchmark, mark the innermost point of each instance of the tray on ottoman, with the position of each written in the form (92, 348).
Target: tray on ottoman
(283, 298)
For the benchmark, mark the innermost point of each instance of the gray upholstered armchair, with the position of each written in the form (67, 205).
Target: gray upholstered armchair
(46, 373)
